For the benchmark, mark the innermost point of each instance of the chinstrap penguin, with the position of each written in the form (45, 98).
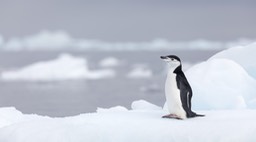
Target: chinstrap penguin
(178, 92)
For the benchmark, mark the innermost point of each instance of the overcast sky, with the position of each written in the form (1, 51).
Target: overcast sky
(131, 20)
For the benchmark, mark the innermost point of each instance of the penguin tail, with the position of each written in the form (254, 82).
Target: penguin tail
(195, 115)
(199, 115)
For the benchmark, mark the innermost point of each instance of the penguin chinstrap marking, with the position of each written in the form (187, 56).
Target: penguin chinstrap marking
(178, 92)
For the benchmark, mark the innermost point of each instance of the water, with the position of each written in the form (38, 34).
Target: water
(72, 97)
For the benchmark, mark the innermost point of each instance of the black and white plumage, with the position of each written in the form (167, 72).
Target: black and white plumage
(178, 92)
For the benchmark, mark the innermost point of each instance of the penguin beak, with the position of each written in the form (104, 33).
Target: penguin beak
(163, 57)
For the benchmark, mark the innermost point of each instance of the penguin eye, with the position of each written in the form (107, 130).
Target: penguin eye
(172, 59)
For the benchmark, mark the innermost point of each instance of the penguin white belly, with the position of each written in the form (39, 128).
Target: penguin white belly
(172, 94)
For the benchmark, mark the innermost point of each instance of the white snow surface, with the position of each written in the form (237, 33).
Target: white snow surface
(221, 84)
(118, 124)
(245, 56)
(65, 67)
(225, 81)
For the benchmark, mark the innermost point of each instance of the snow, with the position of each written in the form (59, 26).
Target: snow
(59, 40)
(65, 67)
(186, 65)
(43, 40)
(243, 55)
(109, 62)
(112, 109)
(118, 124)
(140, 72)
(226, 80)
(221, 84)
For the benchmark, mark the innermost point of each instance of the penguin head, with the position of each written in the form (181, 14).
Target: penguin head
(172, 60)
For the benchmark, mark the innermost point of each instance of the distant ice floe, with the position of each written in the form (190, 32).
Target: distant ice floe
(140, 72)
(109, 62)
(61, 40)
(41, 41)
(112, 109)
(65, 67)
(225, 81)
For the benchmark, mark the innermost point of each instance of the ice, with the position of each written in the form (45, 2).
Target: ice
(109, 62)
(121, 125)
(43, 40)
(112, 109)
(14, 44)
(226, 80)
(243, 55)
(186, 65)
(65, 67)
(12, 117)
(140, 72)
(59, 40)
(221, 84)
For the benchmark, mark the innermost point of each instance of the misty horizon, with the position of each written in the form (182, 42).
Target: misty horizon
(131, 20)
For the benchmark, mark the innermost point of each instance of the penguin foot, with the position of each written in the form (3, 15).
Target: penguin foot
(172, 116)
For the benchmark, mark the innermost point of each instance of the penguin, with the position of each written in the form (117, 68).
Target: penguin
(178, 92)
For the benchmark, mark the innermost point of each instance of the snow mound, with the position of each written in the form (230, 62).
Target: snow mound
(186, 66)
(140, 72)
(65, 67)
(12, 117)
(129, 126)
(221, 84)
(109, 62)
(144, 105)
(243, 55)
(112, 109)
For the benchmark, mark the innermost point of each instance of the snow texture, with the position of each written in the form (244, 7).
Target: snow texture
(225, 81)
(118, 124)
(65, 67)
(221, 84)
(245, 56)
